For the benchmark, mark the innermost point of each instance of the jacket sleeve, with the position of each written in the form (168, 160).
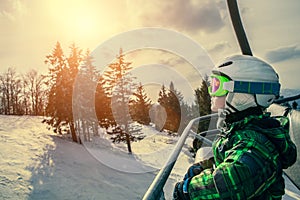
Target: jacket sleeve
(247, 170)
(280, 137)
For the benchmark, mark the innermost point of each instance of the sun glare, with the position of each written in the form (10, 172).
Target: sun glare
(77, 19)
(84, 25)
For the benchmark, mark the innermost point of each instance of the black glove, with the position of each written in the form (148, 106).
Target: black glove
(181, 190)
(197, 168)
(193, 170)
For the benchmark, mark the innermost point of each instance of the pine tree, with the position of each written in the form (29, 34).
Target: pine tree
(174, 109)
(203, 98)
(102, 101)
(203, 103)
(171, 101)
(119, 86)
(85, 98)
(63, 72)
(162, 96)
(103, 106)
(188, 112)
(140, 105)
(74, 60)
(160, 114)
(57, 62)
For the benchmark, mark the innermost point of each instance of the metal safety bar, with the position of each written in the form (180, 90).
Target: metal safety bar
(204, 139)
(156, 188)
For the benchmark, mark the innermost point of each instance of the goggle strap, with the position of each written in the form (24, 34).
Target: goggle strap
(252, 87)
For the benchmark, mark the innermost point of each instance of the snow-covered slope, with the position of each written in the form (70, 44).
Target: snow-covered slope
(36, 164)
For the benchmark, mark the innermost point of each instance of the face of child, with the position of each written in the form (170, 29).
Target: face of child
(217, 103)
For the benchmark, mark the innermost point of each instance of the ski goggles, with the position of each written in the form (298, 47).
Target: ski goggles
(216, 86)
(221, 85)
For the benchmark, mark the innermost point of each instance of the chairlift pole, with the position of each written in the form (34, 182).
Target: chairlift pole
(156, 188)
(238, 27)
(243, 41)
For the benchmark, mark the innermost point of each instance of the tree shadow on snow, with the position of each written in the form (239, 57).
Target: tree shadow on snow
(68, 171)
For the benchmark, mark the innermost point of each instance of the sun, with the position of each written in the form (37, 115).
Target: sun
(80, 20)
(77, 19)
(84, 24)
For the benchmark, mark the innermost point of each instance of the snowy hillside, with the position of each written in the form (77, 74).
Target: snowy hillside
(36, 164)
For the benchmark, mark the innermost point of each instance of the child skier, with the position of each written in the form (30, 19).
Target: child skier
(253, 148)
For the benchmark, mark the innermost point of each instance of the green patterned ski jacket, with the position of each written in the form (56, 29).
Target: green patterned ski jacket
(249, 157)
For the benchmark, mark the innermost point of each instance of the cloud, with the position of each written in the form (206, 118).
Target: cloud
(283, 53)
(172, 61)
(11, 9)
(181, 14)
(219, 47)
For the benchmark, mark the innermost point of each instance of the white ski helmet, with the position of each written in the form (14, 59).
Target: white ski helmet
(250, 82)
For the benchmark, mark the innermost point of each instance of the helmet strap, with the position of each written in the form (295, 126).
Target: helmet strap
(231, 107)
(255, 99)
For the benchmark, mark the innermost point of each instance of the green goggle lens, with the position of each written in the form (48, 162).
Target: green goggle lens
(216, 86)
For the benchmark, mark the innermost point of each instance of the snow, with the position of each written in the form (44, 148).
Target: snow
(37, 164)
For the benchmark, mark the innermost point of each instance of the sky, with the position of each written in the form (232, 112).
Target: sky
(30, 29)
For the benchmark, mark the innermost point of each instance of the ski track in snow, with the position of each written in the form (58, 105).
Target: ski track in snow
(37, 164)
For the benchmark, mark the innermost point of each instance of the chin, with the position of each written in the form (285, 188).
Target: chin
(214, 109)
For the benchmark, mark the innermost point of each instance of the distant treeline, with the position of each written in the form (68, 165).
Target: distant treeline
(23, 94)
(51, 95)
